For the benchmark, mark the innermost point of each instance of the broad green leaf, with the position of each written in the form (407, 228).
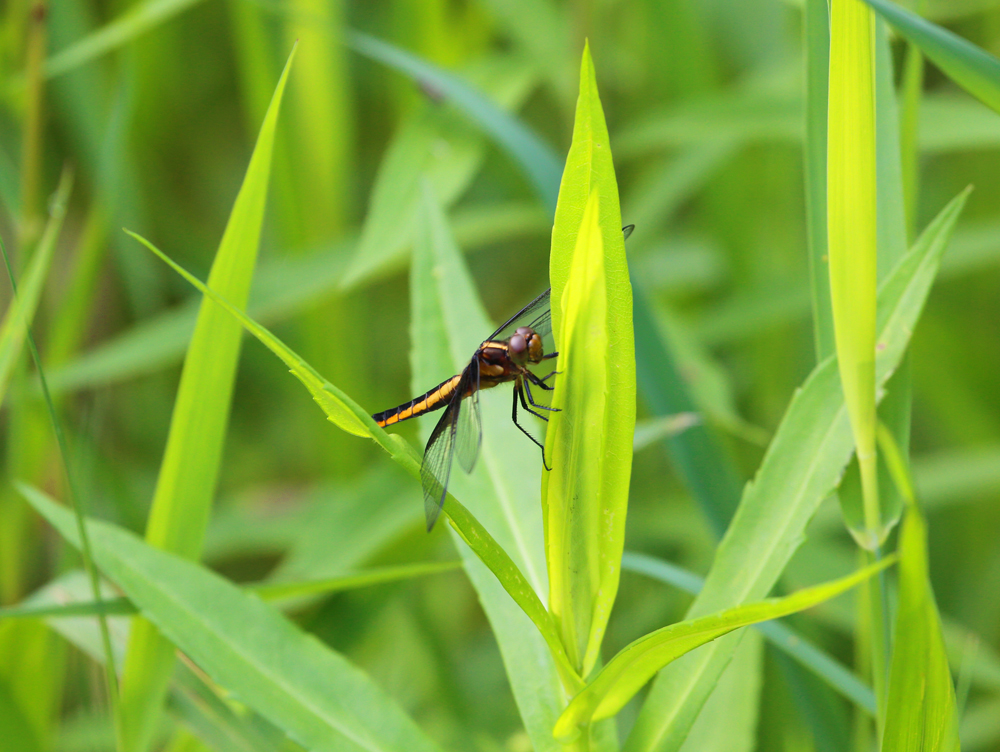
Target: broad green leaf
(971, 67)
(186, 484)
(585, 505)
(852, 235)
(448, 322)
(636, 663)
(21, 311)
(435, 144)
(319, 699)
(191, 697)
(801, 467)
(516, 138)
(920, 711)
(137, 20)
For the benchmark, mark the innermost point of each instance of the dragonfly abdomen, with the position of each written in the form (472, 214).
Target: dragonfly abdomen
(428, 402)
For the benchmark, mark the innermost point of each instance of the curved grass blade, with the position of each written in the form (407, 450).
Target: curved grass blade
(535, 157)
(971, 67)
(317, 697)
(22, 308)
(825, 667)
(802, 466)
(636, 663)
(134, 22)
(345, 413)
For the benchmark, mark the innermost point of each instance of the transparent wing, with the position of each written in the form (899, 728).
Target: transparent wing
(436, 467)
(469, 431)
(536, 315)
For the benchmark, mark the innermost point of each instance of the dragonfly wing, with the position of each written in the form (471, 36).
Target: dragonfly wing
(535, 311)
(469, 431)
(436, 467)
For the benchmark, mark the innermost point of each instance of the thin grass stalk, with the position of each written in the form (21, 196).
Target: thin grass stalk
(76, 500)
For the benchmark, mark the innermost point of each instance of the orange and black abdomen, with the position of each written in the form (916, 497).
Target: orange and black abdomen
(433, 400)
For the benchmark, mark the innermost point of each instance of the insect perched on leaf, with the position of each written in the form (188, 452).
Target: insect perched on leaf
(503, 356)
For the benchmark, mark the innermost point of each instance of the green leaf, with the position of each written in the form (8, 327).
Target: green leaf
(971, 67)
(435, 144)
(448, 322)
(185, 487)
(585, 497)
(920, 711)
(347, 414)
(319, 699)
(784, 638)
(801, 467)
(636, 663)
(21, 311)
(852, 234)
(517, 139)
(137, 20)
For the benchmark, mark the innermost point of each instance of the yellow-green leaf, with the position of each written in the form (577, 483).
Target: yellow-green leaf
(637, 662)
(852, 233)
(585, 497)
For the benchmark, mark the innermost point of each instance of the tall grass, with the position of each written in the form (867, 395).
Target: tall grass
(416, 200)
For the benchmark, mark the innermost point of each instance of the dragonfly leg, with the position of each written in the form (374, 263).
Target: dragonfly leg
(549, 356)
(519, 394)
(531, 399)
(539, 382)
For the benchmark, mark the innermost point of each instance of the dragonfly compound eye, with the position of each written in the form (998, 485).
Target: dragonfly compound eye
(518, 344)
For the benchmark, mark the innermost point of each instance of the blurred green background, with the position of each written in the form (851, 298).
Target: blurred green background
(704, 102)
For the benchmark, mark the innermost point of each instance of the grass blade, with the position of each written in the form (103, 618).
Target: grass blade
(312, 693)
(134, 22)
(920, 710)
(635, 664)
(802, 466)
(971, 67)
(535, 157)
(186, 484)
(22, 308)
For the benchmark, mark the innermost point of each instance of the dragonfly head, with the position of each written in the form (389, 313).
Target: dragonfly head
(525, 346)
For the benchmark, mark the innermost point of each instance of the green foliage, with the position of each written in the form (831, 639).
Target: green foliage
(417, 196)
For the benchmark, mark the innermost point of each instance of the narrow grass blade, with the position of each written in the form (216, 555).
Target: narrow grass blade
(635, 664)
(802, 466)
(920, 710)
(22, 308)
(535, 157)
(852, 233)
(266, 591)
(697, 453)
(351, 417)
(186, 484)
(585, 497)
(312, 693)
(817, 45)
(971, 67)
(825, 667)
(134, 22)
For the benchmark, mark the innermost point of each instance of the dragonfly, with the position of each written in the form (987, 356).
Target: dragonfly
(502, 357)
